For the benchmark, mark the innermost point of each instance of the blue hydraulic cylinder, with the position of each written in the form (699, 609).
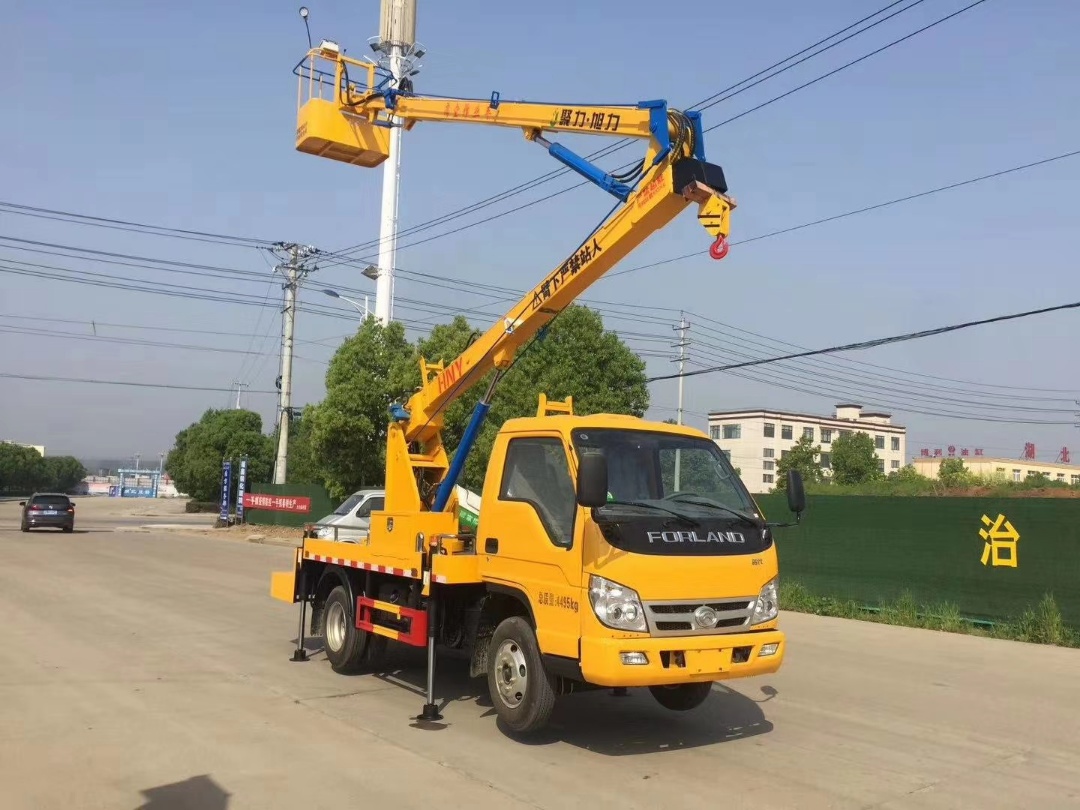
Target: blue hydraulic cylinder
(586, 169)
(468, 439)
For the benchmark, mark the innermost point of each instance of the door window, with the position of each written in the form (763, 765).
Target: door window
(373, 504)
(537, 473)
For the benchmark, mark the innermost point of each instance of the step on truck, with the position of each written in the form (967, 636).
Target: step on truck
(609, 551)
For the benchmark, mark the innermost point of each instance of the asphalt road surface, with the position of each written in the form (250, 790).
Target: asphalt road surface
(151, 670)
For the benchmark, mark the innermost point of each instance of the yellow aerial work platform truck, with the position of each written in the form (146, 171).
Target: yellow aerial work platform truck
(609, 551)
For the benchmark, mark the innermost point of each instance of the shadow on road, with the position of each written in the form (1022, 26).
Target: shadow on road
(596, 720)
(196, 793)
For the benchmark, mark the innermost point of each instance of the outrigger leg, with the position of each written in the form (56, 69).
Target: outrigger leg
(300, 654)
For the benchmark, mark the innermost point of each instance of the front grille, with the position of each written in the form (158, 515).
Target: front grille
(677, 618)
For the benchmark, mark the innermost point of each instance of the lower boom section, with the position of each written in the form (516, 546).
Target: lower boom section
(357, 606)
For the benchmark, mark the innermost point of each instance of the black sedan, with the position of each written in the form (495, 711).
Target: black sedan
(48, 509)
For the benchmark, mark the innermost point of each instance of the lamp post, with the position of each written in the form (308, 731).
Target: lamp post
(361, 308)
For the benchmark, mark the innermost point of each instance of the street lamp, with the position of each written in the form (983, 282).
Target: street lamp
(361, 308)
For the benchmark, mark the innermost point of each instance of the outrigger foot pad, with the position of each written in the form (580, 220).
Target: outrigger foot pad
(430, 713)
(299, 654)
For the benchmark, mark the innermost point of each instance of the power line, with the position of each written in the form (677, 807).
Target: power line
(128, 225)
(845, 66)
(723, 95)
(89, 381)
(844, 215)
(869, 344)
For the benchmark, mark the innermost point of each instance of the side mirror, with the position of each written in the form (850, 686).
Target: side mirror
(796, 495)
(592, 483)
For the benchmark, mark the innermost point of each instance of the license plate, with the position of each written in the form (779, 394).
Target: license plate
(49, 512)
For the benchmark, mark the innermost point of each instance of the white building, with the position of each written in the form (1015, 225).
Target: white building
(754, 440)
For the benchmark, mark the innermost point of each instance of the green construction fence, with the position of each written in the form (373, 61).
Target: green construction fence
(321, 505)
(871, 549)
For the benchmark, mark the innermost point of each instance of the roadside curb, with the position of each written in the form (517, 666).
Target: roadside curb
(209, 531)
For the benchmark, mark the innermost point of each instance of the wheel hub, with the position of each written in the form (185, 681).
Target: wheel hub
(511, 673)
(335, 626)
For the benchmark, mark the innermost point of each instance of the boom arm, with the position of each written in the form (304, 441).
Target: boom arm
(353, 126)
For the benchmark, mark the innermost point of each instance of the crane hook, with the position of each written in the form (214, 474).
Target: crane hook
(719, 248)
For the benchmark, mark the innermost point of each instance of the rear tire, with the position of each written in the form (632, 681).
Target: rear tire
(522, 691)
(348, 648)
(683, 697)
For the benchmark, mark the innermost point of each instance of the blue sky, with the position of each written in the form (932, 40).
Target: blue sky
(183, 115)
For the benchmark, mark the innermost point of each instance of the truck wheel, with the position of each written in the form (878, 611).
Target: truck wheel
(347, 647)
(682, 697)
(522, 692)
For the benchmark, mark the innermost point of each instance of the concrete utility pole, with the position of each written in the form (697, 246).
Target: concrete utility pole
(397, 45)
(239, 385)
(295, 271)
(683, 328)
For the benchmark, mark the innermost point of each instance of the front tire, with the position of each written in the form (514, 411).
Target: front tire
(522, 691)
(682, 697)
(348, 649)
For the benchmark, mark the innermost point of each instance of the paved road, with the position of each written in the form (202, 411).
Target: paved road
(152, 671)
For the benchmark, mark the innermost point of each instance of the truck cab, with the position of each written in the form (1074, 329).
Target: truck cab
(641, 557)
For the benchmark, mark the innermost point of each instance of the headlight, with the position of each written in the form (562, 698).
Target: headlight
(615, 605)
(767, 604)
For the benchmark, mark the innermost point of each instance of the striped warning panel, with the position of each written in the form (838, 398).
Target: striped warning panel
(379, 569)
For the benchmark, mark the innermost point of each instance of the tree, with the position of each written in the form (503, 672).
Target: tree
(804, 457)
(577, 358)
(23, 470)
(62, 473)
(853, 459)
(199, 449)
(377, 366)
(953, 473)
(367, 373)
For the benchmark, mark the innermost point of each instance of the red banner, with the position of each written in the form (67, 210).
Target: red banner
(277, 503)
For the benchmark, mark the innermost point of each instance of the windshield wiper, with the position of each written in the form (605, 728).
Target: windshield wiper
(699, 501)
(644, 505)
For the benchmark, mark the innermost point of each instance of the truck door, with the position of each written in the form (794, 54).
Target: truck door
(526, 533)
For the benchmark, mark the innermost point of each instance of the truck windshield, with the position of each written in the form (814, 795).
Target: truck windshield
(672, 494)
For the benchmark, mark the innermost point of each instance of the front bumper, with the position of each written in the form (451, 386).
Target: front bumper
(680, 659)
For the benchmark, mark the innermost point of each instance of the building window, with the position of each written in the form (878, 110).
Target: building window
(1076, 480)
(808, 433)
(896, 444)
(768, 465)
(785, 431)
(714, 431)
(1016, 475)
(879, 442)
(784, 453)
(881, 465)
(844, 432)
(895, 464)
(826, 435)
(770, 430)
(768, 452)
(826, 461)
(732, 431)
(1061, 476)
(766, 479)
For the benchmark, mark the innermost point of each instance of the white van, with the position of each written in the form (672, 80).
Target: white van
(349, 523)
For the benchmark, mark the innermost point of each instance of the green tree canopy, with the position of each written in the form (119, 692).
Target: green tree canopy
(367, 373)
(953, 473)
(23, 470)
(804, 457)
(378, 366)
(195, 459)
(853, 458)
